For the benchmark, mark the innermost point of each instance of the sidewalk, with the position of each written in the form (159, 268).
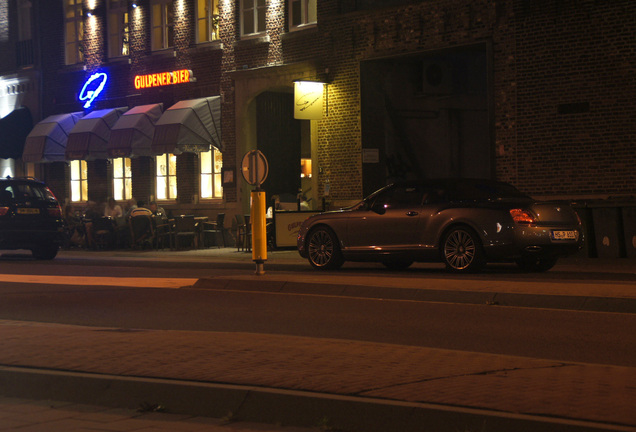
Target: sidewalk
(285, 380)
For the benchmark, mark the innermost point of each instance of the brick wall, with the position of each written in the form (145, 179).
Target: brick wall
(576, 102)
(561, 83)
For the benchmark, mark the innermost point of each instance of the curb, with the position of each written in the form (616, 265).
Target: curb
(582, 303)
(274, 406)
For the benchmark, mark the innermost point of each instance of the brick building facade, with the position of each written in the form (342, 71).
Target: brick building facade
(537, 93)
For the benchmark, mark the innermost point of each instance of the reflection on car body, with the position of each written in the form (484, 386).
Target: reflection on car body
(464, 223)
(30, 217)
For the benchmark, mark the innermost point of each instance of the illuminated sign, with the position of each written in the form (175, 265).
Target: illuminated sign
(164, 78)
(308, 100)
(92, 88)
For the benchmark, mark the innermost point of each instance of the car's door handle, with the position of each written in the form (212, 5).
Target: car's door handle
(412, 213)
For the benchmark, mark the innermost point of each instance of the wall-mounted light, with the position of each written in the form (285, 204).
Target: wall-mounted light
(308, 99)
(134, 4)
(89, 14)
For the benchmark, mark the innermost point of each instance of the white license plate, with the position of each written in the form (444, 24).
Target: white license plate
(28, 211)
(564, 235)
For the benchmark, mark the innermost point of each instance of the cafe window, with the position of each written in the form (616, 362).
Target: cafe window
(166, 177)
(73, 31)
(162, 19)
(79, 181)
(118, 29)
(122, 179)
(301, 13)
(253, 13)
(211, 166)
(207, 20)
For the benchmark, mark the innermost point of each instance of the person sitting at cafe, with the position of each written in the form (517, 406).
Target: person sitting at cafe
(157, 211)
(112, 209)
(141, 210)
(129, 207)
(91, 213)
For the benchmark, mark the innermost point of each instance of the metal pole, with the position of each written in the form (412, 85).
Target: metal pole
(258, 220)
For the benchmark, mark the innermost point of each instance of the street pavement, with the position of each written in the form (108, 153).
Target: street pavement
(73, 378)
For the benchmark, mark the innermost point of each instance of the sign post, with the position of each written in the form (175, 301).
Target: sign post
(255, 170)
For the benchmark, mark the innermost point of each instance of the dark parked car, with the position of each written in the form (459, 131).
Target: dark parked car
(463, 223)
(30, 217)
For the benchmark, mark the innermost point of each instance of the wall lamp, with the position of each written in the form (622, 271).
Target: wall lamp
(134, 4)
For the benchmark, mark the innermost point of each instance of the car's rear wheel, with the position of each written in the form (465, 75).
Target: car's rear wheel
(536, 264)
(45, 252)
(323, 250)
(462, 252)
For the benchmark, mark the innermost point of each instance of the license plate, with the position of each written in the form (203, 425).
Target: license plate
(28, 211)
(564, 235)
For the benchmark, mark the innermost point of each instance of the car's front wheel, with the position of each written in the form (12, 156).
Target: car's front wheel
(47, 252)
(536, 264)
(462, 252)
(323, 250)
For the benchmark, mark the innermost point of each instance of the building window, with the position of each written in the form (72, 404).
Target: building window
(166, 177)
(122, 179)
(79, 182)
(73, 31)
(207, 20)
(211, 165)
(301, 13)
(253, 13)
(118, 30)
(162, 19)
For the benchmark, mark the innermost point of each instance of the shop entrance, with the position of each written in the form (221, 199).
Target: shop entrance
(425, 116)
(279, 137)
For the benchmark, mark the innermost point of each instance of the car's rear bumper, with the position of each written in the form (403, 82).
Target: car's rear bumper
(20, 239)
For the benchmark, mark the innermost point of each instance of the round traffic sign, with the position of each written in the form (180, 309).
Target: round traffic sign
(254, 167)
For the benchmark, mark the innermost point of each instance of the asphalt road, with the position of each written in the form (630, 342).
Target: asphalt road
(65, 291)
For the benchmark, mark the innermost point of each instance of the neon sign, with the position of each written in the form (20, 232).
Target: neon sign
(164, 78)
(92, 88)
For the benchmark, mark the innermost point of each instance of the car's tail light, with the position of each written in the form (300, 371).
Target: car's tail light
(521, 216)
(4, 211)
(55, 211)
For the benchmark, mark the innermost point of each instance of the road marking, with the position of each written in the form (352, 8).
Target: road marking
(138, 282)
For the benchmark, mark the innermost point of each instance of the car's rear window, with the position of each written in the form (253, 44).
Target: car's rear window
(20, 192)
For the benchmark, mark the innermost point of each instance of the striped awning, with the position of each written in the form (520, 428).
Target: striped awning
(189, 126)
(132, 134)
(47, 141)
(88, 140)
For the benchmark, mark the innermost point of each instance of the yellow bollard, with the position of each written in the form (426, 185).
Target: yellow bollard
(258, 216)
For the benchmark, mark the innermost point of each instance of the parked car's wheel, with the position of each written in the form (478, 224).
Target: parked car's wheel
(323, 249)
(462, 252)
(397, 263)
(47, 252)
(536, 264)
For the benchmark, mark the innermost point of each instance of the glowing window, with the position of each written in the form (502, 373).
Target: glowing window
(79, 181)
(211, 166)
(122, 179)
(73, 31)
(118, 29)
(166, 177)
(162, 23)
(207, 20)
